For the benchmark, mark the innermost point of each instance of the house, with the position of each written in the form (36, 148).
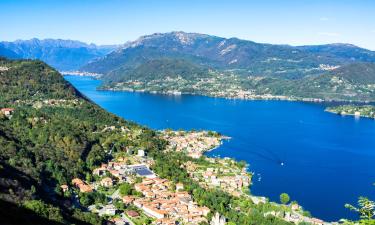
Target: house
(106, 182)
(218, 219)
(317, 221)
(179, 186)
(165, 221)
(128, 199)
(101, 170)
(141, 153)
(64, 187)
(132, 213)
(4, 68)
(154, 212)
(295, 206)
(215, 181)
(108, 210)
(115, 173)
(117, 221)
(205, 210)
(122, 159)
(83, 187)
(256, 200)
(7, 111)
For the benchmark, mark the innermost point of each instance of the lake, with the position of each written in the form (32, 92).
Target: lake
(329, 160)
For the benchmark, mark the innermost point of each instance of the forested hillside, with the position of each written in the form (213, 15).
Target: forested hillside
(53, 135)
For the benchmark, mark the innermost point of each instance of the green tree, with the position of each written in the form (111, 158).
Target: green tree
(44, 210)
(365, 209)
(284, 198)
(86, 199)
(125, 189)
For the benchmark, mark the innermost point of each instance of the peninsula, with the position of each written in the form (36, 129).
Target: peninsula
(354, 110)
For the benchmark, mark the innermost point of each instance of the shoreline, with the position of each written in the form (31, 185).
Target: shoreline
(212, 149)
(260, 199)
(350, 115)
(267, 97)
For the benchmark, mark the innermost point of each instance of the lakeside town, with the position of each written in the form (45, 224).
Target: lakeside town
(207, 87)
(135, 194)
(126, 190)
(82, 74)
(151, 199)
(130, 192)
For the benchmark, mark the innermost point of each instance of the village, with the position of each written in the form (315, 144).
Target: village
(193, 143)
(38, 104)
(151, 199)
(158, 200)
(226, 174)
(7, 112)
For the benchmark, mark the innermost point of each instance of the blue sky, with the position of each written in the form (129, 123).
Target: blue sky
(296, 22)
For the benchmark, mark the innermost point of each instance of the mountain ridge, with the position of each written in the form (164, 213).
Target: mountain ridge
(232, 53)
(59, 53)
(336, 71)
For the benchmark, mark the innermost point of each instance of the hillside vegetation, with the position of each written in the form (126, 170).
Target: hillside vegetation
(54, 134)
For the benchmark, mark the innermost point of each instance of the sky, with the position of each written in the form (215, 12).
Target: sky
(294, 22)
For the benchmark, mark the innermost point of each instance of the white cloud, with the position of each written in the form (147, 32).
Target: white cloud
(323, 19)
(329, 34)
(373, 31)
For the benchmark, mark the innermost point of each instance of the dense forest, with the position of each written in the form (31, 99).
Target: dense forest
(53, 135)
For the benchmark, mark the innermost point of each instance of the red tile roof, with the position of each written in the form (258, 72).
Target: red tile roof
(132, 213)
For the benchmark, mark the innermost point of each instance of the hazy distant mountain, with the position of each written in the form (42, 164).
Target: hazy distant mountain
(8, 53)
(342, 51)
(61, 54)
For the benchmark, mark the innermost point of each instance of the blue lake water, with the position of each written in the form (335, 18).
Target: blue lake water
(329, 160)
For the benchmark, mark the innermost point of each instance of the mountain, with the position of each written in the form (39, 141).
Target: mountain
(53, 135)
(214, 66)
(342, 51)
(247, 57)
(62, 54)
(160, 68)
(358, 73)
(5, 52)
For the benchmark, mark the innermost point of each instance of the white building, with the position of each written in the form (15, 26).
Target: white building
(218, 220)
(141, 153)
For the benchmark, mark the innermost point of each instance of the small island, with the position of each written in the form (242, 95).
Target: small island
(353, 110)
